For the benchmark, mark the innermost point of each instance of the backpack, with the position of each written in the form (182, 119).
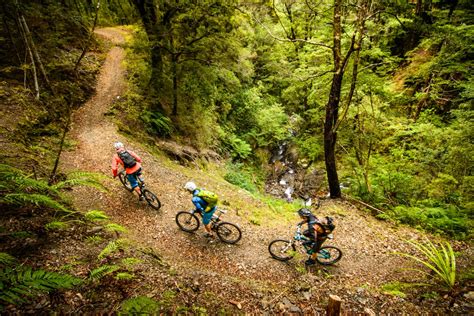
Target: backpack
(329, 225)
(127, 159)
(209, 197)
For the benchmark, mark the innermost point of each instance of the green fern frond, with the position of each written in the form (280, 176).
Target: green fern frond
(6, 259)
(115, 228)
(128, 262)
(124, 276)
(96, 215)
(113, 247)
(102, 271)
(90, 179)
(94, 240)
(15, 285)
(140, 305)
(24, 199)
(56, 225)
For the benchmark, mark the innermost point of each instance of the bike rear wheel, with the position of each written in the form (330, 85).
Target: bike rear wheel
(228, 232)
(124, 179)
(282, 250)
(152, 199)
(187, 221)
(328, 255)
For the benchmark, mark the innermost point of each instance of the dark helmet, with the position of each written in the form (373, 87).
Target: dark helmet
(304, 212)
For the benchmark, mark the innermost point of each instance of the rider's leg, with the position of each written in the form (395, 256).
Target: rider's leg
(206, 220)
(316, 247)
(134, 184)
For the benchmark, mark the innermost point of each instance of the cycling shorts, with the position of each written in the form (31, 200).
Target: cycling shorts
(206, 216)
(132, 178)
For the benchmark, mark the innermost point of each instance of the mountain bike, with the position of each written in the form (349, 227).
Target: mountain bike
(149, 196)
(284, 250)
(227, 232)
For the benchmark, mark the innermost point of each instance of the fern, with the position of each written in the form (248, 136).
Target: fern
(22, 199)
(140, 305)
(16, 285)
(94, 239)
(96, 215)
(6, 259)
(130, 261)
(56, 225)
(115, 228)
(102, 271)
(124, 276)
(89, 179)
(112, 247)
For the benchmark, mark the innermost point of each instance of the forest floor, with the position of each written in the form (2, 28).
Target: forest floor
(199, 275)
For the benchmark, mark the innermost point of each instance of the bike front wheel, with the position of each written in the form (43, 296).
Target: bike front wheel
(228, 232)
(187, 221)
(282, 250)
(152, 199)
(124, 179)
(328, 255)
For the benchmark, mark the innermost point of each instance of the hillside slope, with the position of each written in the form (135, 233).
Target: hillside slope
(243, 277)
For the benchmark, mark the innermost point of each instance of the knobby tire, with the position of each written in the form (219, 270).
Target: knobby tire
(187, 222)
(151, 199)
(281, 249)
(228, 232)
(329, 255)
(123, 178)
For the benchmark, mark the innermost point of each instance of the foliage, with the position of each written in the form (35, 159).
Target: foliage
(6, 259)
(245, 179)
(139, 305)
(112, 247)
(102, 271)
(158, 124)
(20, 190)
(94, 239)
(439, 260)
(115, 228)
(56, 225)
(96, 215)
(398, 288)
(22, 282)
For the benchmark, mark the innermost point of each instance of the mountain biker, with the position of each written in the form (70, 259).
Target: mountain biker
(131, 162)
(204, 205)
(315, 232)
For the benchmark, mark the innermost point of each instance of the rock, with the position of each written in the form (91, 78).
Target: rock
(469, 296)
(294, 309)
(369, 312)
(307, 295)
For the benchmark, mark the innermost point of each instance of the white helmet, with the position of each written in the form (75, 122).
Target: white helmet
(118, 145)
(190, 186)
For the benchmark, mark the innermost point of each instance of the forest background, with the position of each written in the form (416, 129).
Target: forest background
(367, 99)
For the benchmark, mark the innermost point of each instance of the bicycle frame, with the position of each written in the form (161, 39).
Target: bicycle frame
(215, 217)
(299, 239)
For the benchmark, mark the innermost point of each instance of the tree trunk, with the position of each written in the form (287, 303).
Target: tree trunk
(89, 39)
(146, 9)
(332, 106)
(30, 53)
(174, 70)
(330, 136)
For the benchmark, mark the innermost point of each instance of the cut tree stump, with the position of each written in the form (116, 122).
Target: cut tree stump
(334, 306)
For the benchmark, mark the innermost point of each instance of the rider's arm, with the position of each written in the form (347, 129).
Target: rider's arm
(198, 202)
(115, 164)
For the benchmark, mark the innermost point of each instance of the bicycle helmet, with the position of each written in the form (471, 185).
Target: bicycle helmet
(190, 186)
(118, 145)
(304, 212)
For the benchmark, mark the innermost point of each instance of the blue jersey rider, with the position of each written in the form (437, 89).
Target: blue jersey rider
(205, 202)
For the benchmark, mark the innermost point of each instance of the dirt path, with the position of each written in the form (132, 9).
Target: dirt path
(247, 273)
